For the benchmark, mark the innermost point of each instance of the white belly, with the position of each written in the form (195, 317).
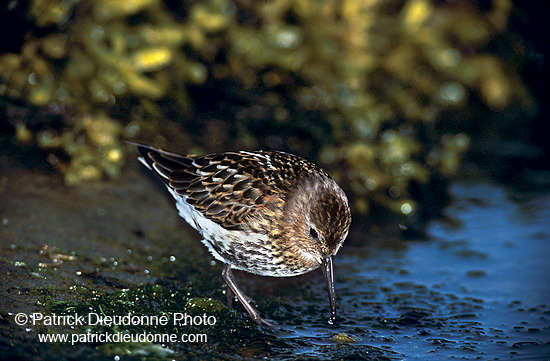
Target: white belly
(245, 251)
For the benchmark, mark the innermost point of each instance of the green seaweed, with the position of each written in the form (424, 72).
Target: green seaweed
(371, 90)
(224, 327)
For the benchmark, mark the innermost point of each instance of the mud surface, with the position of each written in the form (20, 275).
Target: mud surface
(478, 289)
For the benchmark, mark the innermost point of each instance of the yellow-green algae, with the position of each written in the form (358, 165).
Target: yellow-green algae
(379, 72)
(225, 327)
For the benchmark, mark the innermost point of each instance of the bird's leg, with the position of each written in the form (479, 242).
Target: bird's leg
(229, 294)
(227, 275)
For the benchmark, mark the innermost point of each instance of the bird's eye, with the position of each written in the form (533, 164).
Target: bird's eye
(313, 233)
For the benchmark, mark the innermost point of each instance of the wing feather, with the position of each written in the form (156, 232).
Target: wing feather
(227, 188)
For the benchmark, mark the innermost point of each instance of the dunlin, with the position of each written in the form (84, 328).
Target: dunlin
(265, 212)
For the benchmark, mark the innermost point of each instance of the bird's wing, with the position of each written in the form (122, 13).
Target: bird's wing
(227, 188)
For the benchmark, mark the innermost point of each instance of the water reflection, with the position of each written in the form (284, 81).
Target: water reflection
(477, 289)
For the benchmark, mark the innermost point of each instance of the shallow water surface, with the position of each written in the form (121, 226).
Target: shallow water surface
(478, 289)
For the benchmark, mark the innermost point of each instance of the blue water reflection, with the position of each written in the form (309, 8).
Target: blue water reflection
(478, 289)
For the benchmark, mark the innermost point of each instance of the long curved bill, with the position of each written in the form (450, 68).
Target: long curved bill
(329, 279)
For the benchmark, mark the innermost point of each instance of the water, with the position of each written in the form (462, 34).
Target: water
(478, 289)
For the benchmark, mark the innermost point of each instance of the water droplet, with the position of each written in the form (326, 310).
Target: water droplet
(32, 78)
(287, 38)
(452, 92)
(449, 57)
(406, 208)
